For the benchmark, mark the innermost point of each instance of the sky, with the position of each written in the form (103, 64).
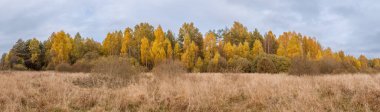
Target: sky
(349, 25)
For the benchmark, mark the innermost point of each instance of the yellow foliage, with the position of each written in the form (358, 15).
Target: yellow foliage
(158, 48)
(61, 47)
(257, 48)
(177, 51)
(126, 42)
(34, 48)
(188, 58)
(281, 51)
(228, 50)
(144, 51)
(294, 47)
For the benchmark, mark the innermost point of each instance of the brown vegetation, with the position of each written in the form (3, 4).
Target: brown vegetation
(51, 91)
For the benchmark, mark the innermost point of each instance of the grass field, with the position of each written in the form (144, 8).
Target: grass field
(57, 92)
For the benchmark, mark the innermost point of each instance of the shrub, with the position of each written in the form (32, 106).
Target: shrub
(83, 66)
(303, 66)
(265, 65)
(64, 67)
(238, 65)
(19, 67)
(329, 66)
(115, 71)
(169, 69)
(282, 63)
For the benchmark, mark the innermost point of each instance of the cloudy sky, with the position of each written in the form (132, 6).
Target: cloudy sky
(349, 25)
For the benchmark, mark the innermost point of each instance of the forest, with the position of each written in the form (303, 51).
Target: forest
(234, 49)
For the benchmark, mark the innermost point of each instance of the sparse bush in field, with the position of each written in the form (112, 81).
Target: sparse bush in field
(19, 67)
(221, 65)
(329, 66)
(282, 63)
(238, 65)
(265, 65)
(83, 66)
(50, 66)
(64, 67)
(303, 66)
(115, 71)
(169, 69)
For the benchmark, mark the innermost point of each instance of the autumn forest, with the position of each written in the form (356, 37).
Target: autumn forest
(234, 49)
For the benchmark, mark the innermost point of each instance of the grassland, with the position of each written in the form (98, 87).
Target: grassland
(58, 92)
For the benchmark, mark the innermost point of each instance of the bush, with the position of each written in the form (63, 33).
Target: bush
(329, 66)
(282, 63)
(19, 67)
(169, 69)
(238, 65)
(115, 71)
(303, 66)
(64, 67)
(83, 66)
(265, 65)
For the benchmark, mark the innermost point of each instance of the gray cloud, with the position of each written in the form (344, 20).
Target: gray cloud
(347, 25)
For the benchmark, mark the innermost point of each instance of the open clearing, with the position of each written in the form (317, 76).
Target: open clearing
(51, 91)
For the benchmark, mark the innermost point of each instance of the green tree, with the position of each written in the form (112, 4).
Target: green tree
(188, 29)
(237, 34)
(35, 49)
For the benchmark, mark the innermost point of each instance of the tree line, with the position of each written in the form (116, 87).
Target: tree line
(232, 49)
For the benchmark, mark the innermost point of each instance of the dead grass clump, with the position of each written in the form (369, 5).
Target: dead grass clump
(303, 66)
(83, 65)
(64, 67)
(115, 71)
(169, 69)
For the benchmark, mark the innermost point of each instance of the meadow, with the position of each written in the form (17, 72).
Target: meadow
(65, 92)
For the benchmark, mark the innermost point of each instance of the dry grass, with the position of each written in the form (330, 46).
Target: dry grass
(50, 91)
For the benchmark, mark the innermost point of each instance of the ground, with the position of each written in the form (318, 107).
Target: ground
(61, 92)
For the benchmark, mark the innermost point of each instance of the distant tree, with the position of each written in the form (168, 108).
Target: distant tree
(257, 49)
(177, 51)
(294, 48)
(145, 54)
(189, 56)
(281, 51)
(270, 43)
(112, 44)
(158, 48)
(78, 50)
(61, 47)
(198, 65)
(237, 34)
(125, 46)
(228, 50)
(188, 29)
(363, 62)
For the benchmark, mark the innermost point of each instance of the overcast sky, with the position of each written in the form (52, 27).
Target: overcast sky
(349, 25)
